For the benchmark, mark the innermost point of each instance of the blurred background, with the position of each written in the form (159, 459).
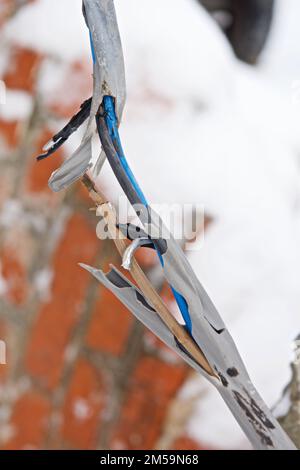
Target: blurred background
(212, 118)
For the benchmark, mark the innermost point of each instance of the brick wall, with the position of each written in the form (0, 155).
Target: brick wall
(81, 372)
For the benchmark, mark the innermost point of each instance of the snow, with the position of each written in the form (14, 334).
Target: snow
(13, 211)
(212, 423)
(48, 29)
(81, 409)
(2, 93)
(43, 283)
(17, 105)
(200, 127)
(283, 406)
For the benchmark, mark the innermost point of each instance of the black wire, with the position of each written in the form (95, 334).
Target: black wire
(112, 156)
(77, 120)
(114, 161)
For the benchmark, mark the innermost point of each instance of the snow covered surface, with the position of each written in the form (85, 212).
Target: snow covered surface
(17, 106)
(201, 127)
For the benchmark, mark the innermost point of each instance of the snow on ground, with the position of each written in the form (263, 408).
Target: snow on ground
(200, 127)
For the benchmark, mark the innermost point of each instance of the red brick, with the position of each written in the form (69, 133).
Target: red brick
(82, 409)
(147, 258)
(186, 443)
(5, 9)
(15, 275)
(153, 385)
(22, 71)
(155, 345)
(6, 186)
(29, 422)
(57, 318)
(167, 294)
(9, 132)
(40, 172)
(110, 325)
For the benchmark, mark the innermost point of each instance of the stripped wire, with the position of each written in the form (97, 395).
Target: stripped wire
(204, 342)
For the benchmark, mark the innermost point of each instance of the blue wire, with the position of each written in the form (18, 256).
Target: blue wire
(112, 125)
(111, 122)
(92, 48)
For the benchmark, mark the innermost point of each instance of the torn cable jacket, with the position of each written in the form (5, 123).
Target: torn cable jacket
(128, 181)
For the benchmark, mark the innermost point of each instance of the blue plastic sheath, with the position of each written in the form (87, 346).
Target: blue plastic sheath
(92, 48)
(112, 126)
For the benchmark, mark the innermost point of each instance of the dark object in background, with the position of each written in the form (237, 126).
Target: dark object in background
(245, 22)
